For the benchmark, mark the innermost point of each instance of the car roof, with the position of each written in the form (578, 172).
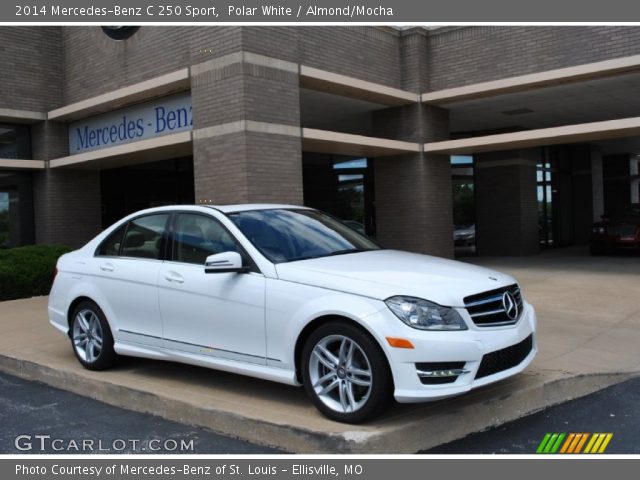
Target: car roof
(243, 207)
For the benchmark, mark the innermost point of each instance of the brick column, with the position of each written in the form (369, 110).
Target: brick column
(246, 147)
(506, 203)
(66, 202)
(413, 192)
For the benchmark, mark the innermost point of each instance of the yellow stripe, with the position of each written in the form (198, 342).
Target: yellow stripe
(584, 439)
(567, 442)
(596, 446)
(574, 443)
(606, 442)
(590, 444)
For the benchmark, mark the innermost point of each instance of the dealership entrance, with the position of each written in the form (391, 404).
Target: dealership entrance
(131, 188)
(16, 209)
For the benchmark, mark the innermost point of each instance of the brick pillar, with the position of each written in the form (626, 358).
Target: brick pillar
(506, 203)
(414, 209)
(66, 202)
(246, 147)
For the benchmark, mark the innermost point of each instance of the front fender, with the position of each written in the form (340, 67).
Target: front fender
(291, 307)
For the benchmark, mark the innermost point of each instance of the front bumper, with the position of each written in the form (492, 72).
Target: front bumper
(469, 346)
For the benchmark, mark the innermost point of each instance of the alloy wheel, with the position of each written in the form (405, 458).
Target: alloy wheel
(87, 335)
(340, 373)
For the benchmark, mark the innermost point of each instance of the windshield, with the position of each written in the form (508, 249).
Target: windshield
(284, 235)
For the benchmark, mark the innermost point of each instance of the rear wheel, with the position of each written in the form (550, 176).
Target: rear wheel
(345, 373)
(91, 337)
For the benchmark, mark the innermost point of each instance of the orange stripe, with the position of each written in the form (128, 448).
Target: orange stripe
(575, 442)
(567, 442)
(581, 444)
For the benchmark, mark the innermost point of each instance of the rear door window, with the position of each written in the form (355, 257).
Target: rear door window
(145, 237)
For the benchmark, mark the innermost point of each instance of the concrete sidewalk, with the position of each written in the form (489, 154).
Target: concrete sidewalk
(589, 314)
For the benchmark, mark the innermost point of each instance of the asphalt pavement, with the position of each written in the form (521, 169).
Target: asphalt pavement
(41, 419)
(612, 410)
(37, 418)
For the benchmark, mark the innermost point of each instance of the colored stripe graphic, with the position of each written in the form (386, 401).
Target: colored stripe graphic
(543, 443)
(598, 443)
(574, 443)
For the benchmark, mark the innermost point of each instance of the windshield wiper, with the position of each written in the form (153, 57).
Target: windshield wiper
(347, 250)
(332, 254)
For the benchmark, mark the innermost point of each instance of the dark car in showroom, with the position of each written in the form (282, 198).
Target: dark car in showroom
(616, 233)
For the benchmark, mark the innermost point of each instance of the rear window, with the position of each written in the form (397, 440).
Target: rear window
(144, 237)
(111, 245)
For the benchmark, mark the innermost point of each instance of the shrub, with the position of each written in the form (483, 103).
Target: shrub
(27, 271)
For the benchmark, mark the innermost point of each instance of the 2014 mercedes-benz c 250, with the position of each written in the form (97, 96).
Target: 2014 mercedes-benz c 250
(293, 295)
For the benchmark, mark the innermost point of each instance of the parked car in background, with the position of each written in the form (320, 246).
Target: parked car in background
(621, 233)
(292, 295)
(464, 236)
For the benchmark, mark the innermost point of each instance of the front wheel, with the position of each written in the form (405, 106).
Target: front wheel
(345, 373)
(91, 337)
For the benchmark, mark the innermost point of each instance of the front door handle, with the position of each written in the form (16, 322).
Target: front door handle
(107, 267)
(174, 277)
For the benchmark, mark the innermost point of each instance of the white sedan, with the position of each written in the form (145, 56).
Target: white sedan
(292, 295)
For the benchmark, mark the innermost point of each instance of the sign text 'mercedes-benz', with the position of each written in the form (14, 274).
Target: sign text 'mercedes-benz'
(139, 122)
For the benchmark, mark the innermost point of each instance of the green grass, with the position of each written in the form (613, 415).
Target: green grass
(27, 271)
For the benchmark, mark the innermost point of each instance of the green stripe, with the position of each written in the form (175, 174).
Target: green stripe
(550, 443)
(543, 443)
(558, 443)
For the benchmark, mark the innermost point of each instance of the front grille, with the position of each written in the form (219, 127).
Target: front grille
(505, 359)
(487, 309)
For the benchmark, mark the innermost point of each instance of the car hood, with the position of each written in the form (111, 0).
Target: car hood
(382, 274)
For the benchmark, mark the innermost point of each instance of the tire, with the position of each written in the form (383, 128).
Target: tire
(594, 250)
(91, 337)
(356, 388)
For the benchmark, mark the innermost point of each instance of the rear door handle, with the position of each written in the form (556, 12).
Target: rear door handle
(107, 267)
(174, 277)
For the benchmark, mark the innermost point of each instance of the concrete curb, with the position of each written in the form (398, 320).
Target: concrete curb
(467, 414)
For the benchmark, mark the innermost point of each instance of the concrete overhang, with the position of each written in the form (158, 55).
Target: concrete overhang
(163, 85)
(534, 81)
(324, 141)
(21, 164)
(151, 150)
(315, 79)
(11, 115)
(584, 132)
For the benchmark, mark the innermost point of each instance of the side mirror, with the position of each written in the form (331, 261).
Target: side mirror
(225, 262)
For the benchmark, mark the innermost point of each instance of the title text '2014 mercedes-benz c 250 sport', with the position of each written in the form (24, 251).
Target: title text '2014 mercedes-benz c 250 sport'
(292, 295)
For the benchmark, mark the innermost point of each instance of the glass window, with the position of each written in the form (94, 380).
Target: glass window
(144, 236)
(15, 141)
(287, 235)
(4, 220)
(111, 246)
(198, 236)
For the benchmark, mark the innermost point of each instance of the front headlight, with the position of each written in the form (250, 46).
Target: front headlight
(425, 315)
